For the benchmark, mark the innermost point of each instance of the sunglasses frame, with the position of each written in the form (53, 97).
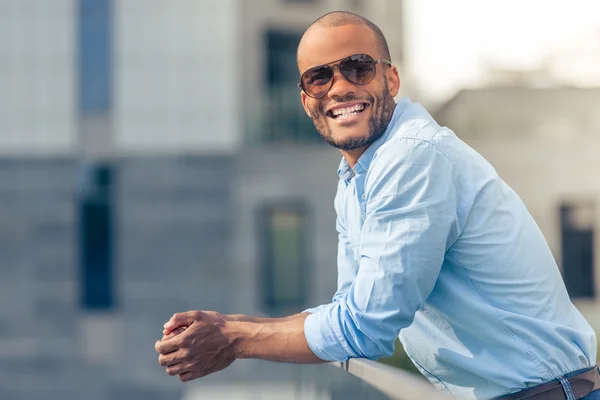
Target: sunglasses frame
(336, 63)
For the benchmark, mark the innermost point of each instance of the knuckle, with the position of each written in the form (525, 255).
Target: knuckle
(183, 354)
(171, 371)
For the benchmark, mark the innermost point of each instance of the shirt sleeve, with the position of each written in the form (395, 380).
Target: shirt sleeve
(410, 221)
(347, 266)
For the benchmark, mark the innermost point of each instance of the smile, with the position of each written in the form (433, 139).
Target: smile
(343, 113)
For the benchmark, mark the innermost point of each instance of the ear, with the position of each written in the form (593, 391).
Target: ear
(393, 80)
(304, 99)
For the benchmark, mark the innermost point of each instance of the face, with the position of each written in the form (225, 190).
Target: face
(367, 109)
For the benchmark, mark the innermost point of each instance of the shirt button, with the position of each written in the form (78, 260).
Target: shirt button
(364, 196)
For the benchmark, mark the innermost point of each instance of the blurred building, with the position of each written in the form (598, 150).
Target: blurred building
(154, 158)
(544, 143)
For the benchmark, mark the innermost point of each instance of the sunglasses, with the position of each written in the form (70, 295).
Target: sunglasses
(358, 68)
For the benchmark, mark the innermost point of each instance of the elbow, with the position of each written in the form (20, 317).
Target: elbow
(369, 339)
(378, 349)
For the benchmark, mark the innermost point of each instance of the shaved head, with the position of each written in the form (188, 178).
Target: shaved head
(339, 18)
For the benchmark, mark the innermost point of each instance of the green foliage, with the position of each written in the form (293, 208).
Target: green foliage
(400, 360)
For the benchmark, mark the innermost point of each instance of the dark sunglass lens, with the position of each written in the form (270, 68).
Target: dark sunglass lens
(359, 69)
(316, 80)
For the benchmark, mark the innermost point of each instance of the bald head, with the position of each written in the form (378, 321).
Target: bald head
(339, 18)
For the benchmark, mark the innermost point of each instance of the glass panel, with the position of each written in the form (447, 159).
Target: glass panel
(284, 258)
(95, 47)
(287, 257)
(96, 240)
(284, 119)
(578, 249)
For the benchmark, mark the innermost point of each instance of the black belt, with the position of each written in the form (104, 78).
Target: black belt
(581, 385)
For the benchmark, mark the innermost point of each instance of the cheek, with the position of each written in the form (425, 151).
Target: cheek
(315, 110)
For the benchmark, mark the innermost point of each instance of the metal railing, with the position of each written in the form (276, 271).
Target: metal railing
(395, 383)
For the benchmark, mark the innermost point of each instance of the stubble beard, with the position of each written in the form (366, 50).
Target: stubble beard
(378, 122)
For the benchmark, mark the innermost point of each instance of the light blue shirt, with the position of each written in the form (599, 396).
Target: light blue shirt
(435, 248)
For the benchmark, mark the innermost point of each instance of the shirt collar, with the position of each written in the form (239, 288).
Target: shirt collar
(345, 172)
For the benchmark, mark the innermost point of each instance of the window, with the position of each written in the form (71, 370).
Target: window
(283, 258)
(577, 230)
(94, 55)
(96, 238)
(284, 117)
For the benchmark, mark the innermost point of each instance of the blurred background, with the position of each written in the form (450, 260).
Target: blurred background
(155, 158)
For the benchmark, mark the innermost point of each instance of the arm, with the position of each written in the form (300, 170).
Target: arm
(264, 320)
(282, 341)
(411, 220)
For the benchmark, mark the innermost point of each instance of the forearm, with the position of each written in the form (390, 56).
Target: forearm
(281, 340)
(263, 320)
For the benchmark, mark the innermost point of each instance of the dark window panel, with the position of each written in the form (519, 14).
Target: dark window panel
(96, 239)
(578, 249)
(283, 258)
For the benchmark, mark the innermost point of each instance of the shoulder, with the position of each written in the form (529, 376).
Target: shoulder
(425, 148)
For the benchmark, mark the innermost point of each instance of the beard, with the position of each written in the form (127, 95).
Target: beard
(383, 109)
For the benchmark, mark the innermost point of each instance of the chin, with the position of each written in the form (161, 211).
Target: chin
(350, 138)
(349, 142)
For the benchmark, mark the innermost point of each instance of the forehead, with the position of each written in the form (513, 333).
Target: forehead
(322, 45)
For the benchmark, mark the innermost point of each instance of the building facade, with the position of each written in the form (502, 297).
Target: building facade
(145, 169)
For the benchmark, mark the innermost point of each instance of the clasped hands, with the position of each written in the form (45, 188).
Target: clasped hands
(195, 344)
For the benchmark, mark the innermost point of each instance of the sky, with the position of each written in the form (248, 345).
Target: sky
(450, 42)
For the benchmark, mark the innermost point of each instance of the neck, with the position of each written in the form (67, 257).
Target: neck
(352, 156)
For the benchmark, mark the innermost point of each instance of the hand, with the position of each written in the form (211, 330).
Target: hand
(172, 333)
(199, 350)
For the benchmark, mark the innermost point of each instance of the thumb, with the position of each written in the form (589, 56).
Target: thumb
(184, 319)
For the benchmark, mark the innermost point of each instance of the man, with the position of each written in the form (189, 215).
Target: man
(433, 247)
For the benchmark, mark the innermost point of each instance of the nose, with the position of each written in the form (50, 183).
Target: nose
(340, 85)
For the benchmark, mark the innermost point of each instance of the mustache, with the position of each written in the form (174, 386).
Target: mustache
(345, 99)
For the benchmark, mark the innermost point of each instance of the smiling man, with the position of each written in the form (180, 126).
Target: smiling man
(434, 248)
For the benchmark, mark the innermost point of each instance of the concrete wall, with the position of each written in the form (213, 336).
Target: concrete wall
(37, 84)
(172, 242)
(177, 76)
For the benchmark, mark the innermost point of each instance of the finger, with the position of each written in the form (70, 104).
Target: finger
(174, 333)
(168, 346)
(168, 334)
(177, 369)
(180, 319)
(168, 360)
(188, 376)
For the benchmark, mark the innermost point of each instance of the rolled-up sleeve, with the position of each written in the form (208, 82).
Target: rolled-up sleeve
(410, 221)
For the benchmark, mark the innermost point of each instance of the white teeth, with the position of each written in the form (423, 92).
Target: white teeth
(348, 115)
(345, 112)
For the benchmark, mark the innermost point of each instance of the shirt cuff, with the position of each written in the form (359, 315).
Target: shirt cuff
(322, 338)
